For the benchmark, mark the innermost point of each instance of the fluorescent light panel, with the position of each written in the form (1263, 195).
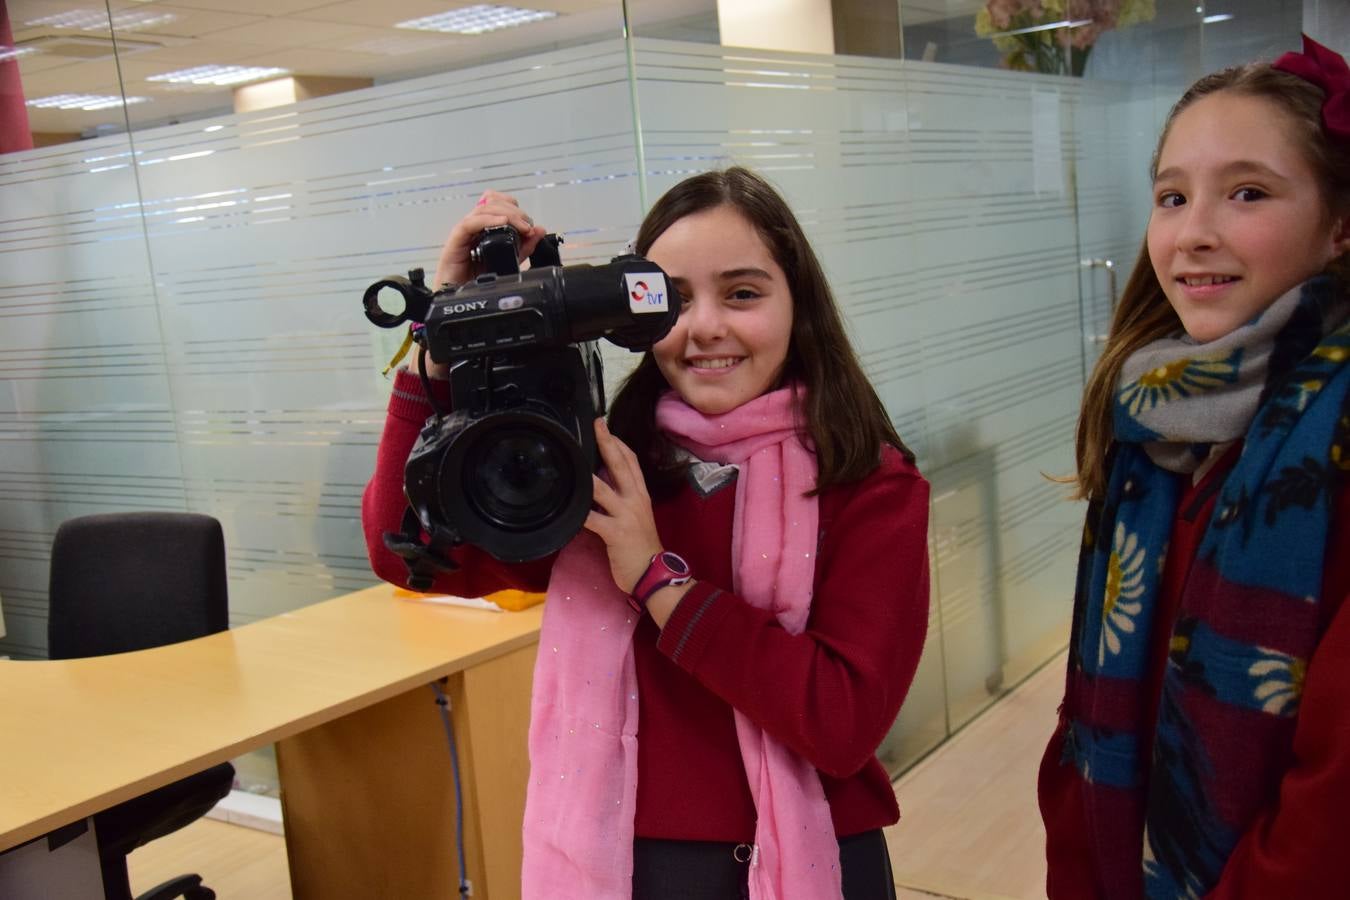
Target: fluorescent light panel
(477, 19)
(7, 53)
(1220, 17)
(84, 101)
(1051, 26)
(220, 76)
(97, 20)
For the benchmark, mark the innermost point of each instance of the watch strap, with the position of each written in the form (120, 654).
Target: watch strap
(663, 570)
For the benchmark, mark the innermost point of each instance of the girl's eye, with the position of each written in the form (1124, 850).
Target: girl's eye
(744, 294)
(1249, 194)
(1170, 199)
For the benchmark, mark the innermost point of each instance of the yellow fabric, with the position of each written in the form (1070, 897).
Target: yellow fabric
(510, 600)
(515, 601)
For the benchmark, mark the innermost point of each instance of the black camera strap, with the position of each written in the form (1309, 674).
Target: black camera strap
(424, 561)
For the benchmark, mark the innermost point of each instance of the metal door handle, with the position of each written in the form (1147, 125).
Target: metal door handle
(1110, 266)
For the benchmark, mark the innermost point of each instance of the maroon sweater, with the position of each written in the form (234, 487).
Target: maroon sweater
(1296, 847)
(830, 693)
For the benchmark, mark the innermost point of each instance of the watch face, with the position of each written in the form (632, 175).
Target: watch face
(674, 563)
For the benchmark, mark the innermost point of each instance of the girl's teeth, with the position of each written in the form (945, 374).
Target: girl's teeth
(713, 363)
(1209, 279)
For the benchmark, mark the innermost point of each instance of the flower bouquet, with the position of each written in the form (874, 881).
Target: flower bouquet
(1054, 36)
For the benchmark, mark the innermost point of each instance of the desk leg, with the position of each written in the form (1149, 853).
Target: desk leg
(368, 800)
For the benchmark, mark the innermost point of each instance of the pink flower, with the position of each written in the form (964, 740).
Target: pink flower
(1001, 12)
(1101, 12)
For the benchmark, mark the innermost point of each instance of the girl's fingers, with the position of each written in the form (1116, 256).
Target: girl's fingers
(529, 240)
(490, 196)
(621, 461)
(598, 524)
(455, 265)
(604, 495)
(611, 454)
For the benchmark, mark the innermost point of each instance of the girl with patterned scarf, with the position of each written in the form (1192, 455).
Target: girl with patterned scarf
(715, 736)
(1203, 748)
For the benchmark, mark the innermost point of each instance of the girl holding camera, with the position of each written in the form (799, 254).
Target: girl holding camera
(729, 639)
(1203, 747)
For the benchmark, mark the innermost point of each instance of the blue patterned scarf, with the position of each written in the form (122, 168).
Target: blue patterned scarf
(1165, 824)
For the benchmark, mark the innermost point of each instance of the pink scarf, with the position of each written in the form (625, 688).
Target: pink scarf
(584, 711)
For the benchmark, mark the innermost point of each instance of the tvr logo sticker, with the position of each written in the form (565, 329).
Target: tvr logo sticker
(647, 292)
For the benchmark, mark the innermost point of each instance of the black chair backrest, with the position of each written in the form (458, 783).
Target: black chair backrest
(129, 581)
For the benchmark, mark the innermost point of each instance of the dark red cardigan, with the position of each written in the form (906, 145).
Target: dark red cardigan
(830, 693)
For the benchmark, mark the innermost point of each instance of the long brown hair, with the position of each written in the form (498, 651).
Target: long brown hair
(840, 411)
(1144, 314)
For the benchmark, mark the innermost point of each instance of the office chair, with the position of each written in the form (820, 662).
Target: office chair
(130, 581)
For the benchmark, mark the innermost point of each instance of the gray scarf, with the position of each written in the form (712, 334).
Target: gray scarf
(1178, 398)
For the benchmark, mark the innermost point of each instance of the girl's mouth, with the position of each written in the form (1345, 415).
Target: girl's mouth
(715, 365)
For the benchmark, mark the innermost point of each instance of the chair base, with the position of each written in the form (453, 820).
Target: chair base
(117, 885)
(189, 887)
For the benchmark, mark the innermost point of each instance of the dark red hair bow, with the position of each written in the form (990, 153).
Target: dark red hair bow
(1327, 69)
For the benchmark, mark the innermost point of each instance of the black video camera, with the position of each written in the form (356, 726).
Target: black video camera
(509, 470)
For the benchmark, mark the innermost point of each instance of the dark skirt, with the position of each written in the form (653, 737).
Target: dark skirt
(709, 870)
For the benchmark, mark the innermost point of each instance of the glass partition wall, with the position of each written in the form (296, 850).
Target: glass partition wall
(195, 196)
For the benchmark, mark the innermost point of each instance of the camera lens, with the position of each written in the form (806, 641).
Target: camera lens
(518, 477)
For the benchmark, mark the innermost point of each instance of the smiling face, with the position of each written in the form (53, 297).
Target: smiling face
(731, 341)
(1238, 216)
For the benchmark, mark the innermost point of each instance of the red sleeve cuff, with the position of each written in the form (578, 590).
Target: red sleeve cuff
(408, 400)
(692, 625)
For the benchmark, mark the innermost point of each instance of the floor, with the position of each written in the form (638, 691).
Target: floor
(969, 829)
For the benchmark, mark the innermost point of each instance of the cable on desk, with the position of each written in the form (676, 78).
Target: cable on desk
(442, 701)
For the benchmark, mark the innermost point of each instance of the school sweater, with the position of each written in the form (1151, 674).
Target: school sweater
(1295, 848)
(830, 693)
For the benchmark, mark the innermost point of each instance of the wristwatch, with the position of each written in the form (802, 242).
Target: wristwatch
(665, 569)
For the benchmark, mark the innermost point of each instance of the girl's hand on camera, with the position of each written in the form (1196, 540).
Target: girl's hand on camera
(456, 265)
(624, 520)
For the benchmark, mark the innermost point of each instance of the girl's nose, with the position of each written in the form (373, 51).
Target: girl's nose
(705, 320)
(1199, 229)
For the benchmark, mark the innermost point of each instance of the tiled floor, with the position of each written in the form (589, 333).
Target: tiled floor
(969, 828)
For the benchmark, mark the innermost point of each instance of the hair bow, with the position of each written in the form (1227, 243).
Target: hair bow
(1327, 69)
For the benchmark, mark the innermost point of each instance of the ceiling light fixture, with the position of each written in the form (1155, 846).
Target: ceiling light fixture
(1051, 26)
(84, 101)
(8, 53)
(477, 19)
(92, 20)
(1221, 17)
(218, 76)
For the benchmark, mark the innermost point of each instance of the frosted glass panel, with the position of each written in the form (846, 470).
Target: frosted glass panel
(995, 247)
(86, 418)
(940, 200)
(195, 340)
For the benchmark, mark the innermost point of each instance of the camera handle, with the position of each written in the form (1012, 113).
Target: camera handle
(546, 252)
(424, 561)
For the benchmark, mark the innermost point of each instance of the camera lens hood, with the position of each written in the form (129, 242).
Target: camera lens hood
(516, 483)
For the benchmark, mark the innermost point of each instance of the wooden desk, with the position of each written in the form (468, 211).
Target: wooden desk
(342, 687)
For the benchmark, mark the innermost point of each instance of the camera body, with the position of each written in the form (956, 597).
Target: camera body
(509, 468)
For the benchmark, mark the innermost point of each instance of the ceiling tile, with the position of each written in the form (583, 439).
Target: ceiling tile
(256, 7)
(267, 33)
(383, 15)
(389, 42)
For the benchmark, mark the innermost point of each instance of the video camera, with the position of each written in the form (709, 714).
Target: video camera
(509, 468)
